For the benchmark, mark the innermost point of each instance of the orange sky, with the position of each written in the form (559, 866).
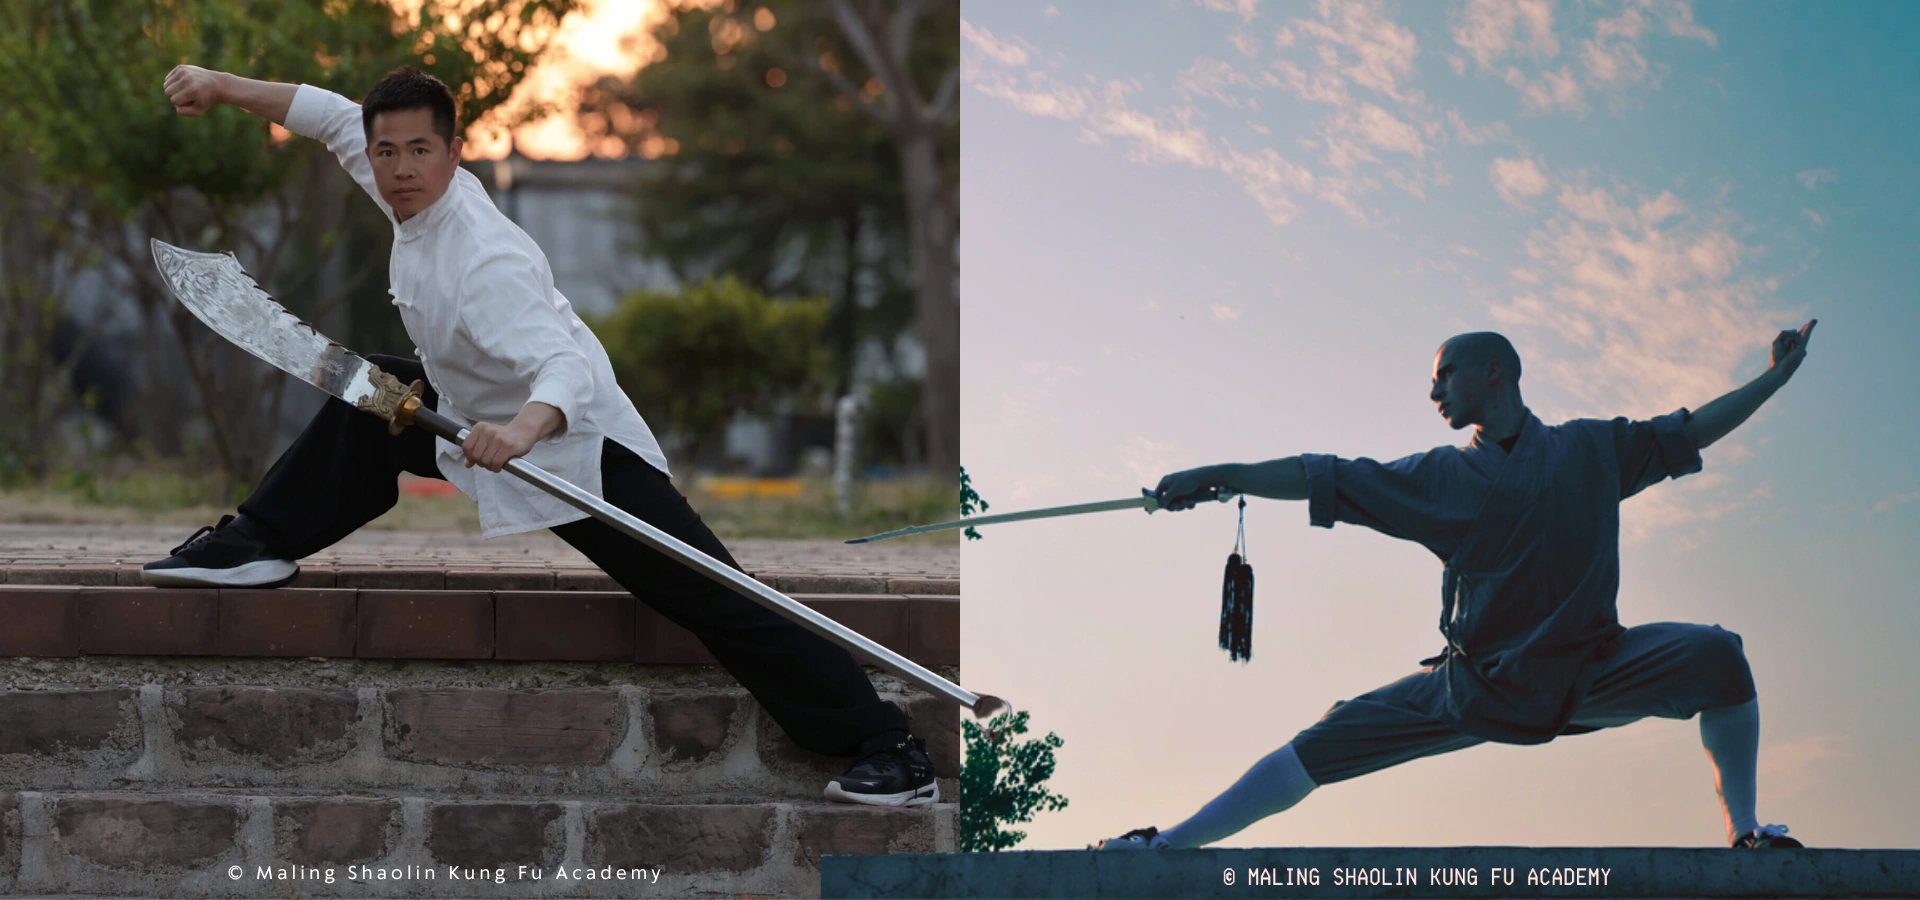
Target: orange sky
(605, 37)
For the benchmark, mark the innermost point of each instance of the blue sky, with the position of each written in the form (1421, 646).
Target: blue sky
(1218, 231)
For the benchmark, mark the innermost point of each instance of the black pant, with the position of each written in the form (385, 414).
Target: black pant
(343, 472)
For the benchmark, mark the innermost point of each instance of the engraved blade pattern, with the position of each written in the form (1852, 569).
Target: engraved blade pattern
(221, 294)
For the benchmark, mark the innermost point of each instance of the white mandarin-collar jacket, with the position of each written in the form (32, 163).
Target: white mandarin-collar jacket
(477, 297)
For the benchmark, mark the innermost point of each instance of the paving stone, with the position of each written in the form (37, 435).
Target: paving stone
(689, 726)
(314, 576)
(568, 727)
(75, 575)
(829, 584)
(9, 834)
(682, 839)
(419, 625)
(933, 624)
(287, 622)
(319, 832)
(274, 725)
(581, 580)
(56, 721)
(382, 578)
(563, 625)
(500, 578)
(879, 618)
(659, 641)
(148, 621)
(132, 833)
(854, 829)
(934, 586)
(490, 835)
(40, 621)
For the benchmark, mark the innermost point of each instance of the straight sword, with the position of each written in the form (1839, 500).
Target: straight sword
(220, 293)
(1146, 501)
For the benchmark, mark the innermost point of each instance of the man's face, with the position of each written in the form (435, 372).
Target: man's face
(1460, 390)
(411, 165)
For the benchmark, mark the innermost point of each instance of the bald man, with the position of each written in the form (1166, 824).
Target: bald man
(1526, 520)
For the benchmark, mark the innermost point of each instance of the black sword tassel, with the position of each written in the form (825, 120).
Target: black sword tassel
(1236, 599)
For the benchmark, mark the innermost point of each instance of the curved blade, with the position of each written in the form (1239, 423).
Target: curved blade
(222, 295)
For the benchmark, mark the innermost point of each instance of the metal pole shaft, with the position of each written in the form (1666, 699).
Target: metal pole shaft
(733, 578)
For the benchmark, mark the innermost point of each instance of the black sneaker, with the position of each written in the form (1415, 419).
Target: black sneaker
(220, 556)
(892, 772)
(1137, 839)
(1767, 837)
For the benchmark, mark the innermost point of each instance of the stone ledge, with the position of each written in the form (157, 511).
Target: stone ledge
(1643, 873)
(465, 576)
(579, 626)
(186, 844)
(670, 742)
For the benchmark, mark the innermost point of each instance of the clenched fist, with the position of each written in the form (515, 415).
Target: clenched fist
(1791, 347)
(193, 90)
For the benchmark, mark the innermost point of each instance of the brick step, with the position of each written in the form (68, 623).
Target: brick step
(370, 731)
(584, 626)
(193, 844)
(470, 576)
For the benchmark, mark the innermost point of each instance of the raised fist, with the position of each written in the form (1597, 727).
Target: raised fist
(192, 90)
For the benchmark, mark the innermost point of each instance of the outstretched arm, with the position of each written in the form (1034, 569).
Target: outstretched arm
(319, 114)
(194, 90)
(1714, 420)
(1276, 479)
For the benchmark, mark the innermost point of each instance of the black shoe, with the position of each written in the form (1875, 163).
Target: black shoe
(221, 556)
(894, 771)
(1767, 837)
(1137, 839)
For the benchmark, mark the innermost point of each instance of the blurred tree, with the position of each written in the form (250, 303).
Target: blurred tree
(803, 174)
(82, 82)
(1003, 782)
(711, 350)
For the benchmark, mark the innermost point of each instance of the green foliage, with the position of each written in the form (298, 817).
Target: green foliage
(769, 173)
(1003, 782)
(891, 430)
(84, 78)
(710, 350)
(970, 502)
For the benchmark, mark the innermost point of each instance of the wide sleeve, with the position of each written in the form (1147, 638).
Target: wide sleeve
(1423, 497)
(504, 312)
(335, 121)
(1651, 450)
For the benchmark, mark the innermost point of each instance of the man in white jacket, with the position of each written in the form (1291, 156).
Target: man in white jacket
(504, 354)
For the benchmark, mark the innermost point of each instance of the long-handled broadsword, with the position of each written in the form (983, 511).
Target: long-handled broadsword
(221, 294)
(1147, 501)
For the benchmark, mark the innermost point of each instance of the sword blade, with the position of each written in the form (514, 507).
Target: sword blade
(223, 296)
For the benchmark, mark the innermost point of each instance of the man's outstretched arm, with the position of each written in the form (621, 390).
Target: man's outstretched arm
(1275, 479)
(1714, 420)
(194, 90)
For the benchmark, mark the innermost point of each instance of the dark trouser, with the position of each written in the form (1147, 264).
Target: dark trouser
(343, 472)
(1667, 669)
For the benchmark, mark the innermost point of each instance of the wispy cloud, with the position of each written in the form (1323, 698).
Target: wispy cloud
(1502, 35)
(1246, 9)
(1812, 179)
(1646, 302)
(1793, 766)
(1894, 500)
(1517, 180)
(1002, 52)
(1218, 80)
(1490, 29)
(1224, 313)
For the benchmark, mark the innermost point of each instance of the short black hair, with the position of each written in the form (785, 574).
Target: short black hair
(410, 88)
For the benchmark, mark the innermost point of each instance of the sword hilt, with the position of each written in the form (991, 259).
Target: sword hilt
(1214, 493)
(391, 401)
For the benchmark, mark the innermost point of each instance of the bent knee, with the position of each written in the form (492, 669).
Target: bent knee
(1719, 658)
